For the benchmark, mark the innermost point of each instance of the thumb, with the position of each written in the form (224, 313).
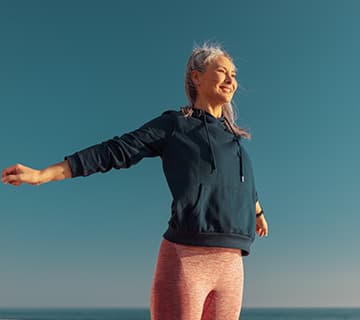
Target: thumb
(12, 179)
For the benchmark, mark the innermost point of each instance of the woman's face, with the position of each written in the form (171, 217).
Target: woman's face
(217, 84)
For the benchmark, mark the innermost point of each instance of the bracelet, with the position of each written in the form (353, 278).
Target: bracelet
(258, 215)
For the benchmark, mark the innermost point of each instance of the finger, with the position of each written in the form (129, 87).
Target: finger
(265, 232)
(5, 179)
(8, 171)
(12, 170)
(11, 179)
(262, 232)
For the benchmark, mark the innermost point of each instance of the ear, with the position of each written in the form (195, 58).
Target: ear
(195, 77)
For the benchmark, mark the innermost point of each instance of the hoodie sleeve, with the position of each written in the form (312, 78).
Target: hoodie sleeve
(123, 151)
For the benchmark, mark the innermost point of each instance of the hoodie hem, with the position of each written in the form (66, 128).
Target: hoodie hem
(208, 239)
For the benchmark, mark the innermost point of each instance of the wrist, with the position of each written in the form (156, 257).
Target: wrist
(43, 176)
(58, 171)
(260, 213)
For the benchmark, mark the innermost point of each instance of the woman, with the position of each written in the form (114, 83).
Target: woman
(215, 211)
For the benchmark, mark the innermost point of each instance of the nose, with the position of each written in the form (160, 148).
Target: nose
(229, 79)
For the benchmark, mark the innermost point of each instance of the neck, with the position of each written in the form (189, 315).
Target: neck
(214, 110)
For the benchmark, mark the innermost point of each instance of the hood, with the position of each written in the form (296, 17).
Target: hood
(208, 118)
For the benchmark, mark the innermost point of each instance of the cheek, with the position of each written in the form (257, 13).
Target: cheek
(235, 84)
(214, 83)
(218, 80)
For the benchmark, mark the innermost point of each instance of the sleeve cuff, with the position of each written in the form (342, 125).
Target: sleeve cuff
(75, 165)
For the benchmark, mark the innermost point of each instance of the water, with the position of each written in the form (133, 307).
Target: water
(143, 314)
(74, 314)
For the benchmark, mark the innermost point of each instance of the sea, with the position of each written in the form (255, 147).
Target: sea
(144, 314)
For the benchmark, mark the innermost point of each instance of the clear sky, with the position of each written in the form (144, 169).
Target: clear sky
(75, 73)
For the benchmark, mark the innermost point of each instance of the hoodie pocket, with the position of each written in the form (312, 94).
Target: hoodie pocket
(219, 209)
(185, 209)
(194, 202)
(222, 209)
(231, 209)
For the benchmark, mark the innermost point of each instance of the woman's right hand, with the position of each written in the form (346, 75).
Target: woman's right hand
(18, 174)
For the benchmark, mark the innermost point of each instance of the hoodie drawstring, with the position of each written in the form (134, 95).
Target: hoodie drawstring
(213, 163)
(237, 140)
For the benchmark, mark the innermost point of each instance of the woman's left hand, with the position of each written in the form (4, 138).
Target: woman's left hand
(261, 226)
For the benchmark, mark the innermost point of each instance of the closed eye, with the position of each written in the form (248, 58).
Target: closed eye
(230, 72)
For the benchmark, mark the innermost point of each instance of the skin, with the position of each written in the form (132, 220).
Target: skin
(19, 174)
(215, 87)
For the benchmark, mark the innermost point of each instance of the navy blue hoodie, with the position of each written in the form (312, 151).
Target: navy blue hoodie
(207, 169)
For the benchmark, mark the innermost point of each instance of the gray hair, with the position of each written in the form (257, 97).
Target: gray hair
(199, 59)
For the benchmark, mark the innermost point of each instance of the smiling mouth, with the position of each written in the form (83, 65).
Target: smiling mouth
(226, 89)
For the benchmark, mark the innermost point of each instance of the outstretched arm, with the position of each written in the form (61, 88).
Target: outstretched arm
(119, 152)
(19, 174)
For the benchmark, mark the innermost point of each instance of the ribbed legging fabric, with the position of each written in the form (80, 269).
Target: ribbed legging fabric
(197, 283)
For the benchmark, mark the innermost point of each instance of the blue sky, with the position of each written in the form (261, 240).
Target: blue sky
(75, 73)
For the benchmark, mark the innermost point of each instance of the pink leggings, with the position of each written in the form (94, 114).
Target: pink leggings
(197, 283)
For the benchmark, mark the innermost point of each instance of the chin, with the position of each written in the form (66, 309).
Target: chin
(222, 99)
(226, 100)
